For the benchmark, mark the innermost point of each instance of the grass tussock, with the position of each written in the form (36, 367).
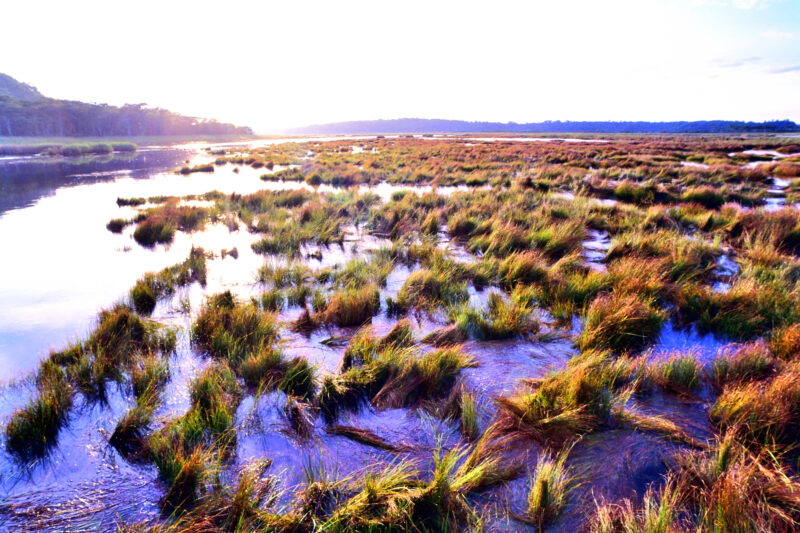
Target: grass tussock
(679, 373)
(232, 331)
(33, 429)
(571, 402)
(351, 307)
(151, 287)
(395, 376)
(747, 309)
(502, 320)
(395, 497)
(158, 225)
(185, 449)
(659, 512)
(784, 342)
(550, 486)
(742, 364)
(765, 412)
(428, 289)
(621, 323)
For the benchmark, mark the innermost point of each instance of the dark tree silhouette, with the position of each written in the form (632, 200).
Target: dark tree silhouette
(25, 112)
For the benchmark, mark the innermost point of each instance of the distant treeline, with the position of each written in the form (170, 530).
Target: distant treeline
(418, 125)
(47, 117)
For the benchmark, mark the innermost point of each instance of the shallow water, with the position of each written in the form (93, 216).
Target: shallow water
(595, 248)
(777, 195)
(63, 265)
(68, 266)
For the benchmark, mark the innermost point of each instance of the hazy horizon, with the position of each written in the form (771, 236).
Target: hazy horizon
(285, 65)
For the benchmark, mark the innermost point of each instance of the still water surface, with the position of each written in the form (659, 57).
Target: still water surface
(61, 265)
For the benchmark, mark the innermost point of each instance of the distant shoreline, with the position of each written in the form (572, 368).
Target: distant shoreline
(428, 126)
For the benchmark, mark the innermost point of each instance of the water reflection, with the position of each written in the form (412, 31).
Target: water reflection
(23, 181)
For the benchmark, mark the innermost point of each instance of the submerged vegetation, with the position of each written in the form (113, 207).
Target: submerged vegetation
(451, 359)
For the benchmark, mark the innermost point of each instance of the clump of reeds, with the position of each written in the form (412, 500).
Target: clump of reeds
(741, 364)
(707, 196)
(153, 230)
(659, 512)
(502, 241)
(765, 412)
(747, 309)
(446, 336)
(571, 402)
(33, 429)
(503, 319)
(121, 336)
(679, 373)
(365, 348)
(298, 379)
(158, 225)
(116, 225)
(784, 342)
(426, 289)
(265, 365)
(550, 486)
(196, 168)
(393, 376)
(525, 268)
(558, 239)
(229, 330)
(621, 323)
(184, 448)
(351, 307)
(151, 287)
(130, 432)
(395, 498)
(733, 488)
(461, 225)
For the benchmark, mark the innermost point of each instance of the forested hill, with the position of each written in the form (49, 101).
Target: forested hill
(11, 87)
(418, 125)
(24, 112)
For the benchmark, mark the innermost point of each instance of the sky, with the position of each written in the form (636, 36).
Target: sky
(275, 65)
